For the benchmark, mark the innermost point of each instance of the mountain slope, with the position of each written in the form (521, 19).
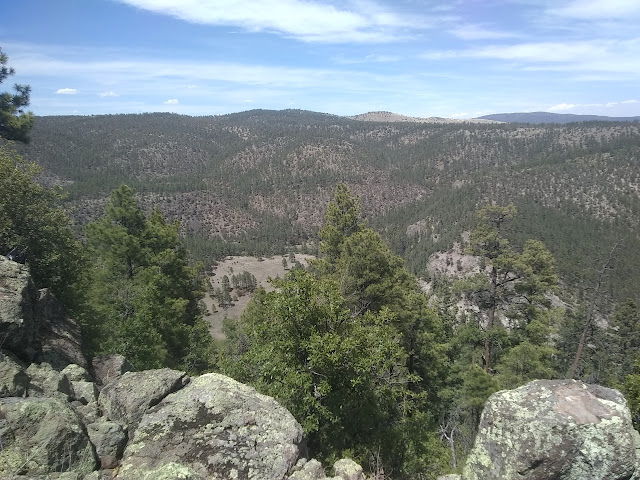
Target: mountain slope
(257, 181)
(547, 117)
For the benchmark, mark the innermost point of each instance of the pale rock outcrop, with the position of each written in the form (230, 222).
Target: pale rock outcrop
(128, 397)
(214, 428)
(42, 436)
(562, 430)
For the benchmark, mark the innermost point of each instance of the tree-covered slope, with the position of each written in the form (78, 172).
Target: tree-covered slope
(261, 179)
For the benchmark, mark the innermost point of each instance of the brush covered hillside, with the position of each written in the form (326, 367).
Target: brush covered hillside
(258, 181)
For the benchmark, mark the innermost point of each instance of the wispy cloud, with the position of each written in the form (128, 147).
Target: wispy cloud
(306, 20)
(173, 101)
(598, 9)
(373, 58)
(67, 91)
(479, 32)
(563, 107)
(109, 94)
(613, 56)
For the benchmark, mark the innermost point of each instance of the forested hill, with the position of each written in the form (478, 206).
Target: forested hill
(548, 117)
(257, 180)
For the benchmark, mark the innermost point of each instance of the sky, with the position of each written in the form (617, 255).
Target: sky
(454, 59)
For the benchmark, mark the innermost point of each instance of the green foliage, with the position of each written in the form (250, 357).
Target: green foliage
(144, 292)
(341, 220)
(31, 218)
(342, 376)
(15, 123)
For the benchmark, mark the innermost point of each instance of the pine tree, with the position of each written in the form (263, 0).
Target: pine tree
(15, 122)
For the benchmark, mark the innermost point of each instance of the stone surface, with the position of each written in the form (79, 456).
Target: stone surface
(562, 430)
(214, 428)
(347, 469)
(308, 470)
(59, 342)
(109, 440)
(18, 296)
(14, 381)
(47, 382)
(42, 436)
(108, 368)
(84, 392)
(129, 396)
(76, 373)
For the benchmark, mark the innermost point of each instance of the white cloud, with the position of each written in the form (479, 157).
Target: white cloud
(307, 20)
(598, 9)
(109, 94)
(478, 32)
(574, 106)
(173, 101)
(563, 106)
(67, 91)
(612, 56)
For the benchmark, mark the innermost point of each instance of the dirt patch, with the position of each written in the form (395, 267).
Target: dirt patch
(262, 268)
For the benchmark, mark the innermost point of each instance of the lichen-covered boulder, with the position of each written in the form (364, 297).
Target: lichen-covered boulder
(564, 429)
(42, 436)
(129, 396)
(76, 373)
(347, 469)
(308, 470)
(214, 428)
(47, 382)
(108, 368)
(109, 440)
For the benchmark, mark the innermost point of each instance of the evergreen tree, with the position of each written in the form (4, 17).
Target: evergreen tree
(15, 123)
(145, 293)
(33, 222)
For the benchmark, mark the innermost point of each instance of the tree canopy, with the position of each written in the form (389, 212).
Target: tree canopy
(15, 122)
(145, 294)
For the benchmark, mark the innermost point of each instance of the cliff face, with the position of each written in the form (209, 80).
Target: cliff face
(63, 418)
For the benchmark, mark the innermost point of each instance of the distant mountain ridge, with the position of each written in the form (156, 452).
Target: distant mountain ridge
(548, 117)
(382, 116)
(257, 182)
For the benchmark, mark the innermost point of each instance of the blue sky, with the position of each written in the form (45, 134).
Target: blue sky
(423, 58)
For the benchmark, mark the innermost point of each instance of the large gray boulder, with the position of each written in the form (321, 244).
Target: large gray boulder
(19, 324)
(128, 397)
(33, 324)
(561, 430)
(108, 368)
(59, 340)
(214, 428)
(42, 436)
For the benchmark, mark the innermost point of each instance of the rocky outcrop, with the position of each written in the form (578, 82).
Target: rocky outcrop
(215, 427)
(63, 419)
(41, 436)
(564, 430)
(128, 397)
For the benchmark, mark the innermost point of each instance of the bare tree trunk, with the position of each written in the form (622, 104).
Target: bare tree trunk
(602, 274)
